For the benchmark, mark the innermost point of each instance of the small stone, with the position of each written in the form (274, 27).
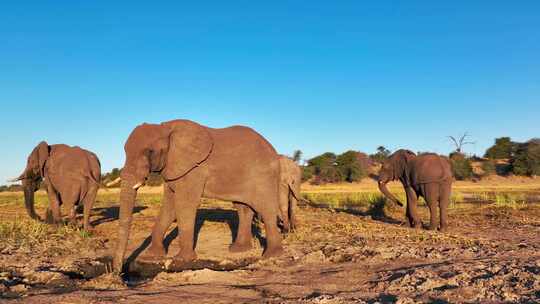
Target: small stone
(18, 288)
(314, 257)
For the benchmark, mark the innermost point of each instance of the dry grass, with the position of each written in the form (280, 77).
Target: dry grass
(30, 235)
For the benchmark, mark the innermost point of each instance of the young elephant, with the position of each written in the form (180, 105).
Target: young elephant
(71, 174)
(428, 175)
(234, 164)
(289, 191)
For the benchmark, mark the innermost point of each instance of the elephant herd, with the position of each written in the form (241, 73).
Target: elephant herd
(234, 164)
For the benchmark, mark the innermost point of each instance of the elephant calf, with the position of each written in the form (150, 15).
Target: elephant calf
(289, 191)
(428, 175)
(71, 174)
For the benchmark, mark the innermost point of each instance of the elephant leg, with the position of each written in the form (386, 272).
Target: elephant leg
(243, 238)
(72, 213)
(53, 212)
(269, 211)
(284, 207)
(187, 197)
(164, 220)
(412, 213)
(88, 202)
(293, 205)
(444, 201)
(273, 236)
(431, 195)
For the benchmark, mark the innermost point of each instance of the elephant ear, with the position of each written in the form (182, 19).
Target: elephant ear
(401, 170)
(190, 144)
(41, 154)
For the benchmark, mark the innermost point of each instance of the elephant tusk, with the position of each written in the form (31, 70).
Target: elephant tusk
(114, 182)
(137, 186)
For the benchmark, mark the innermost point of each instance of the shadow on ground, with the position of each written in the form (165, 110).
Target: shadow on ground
(109, 214)
(230, 217)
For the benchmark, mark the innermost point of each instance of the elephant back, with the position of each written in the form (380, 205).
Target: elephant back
(429, 168)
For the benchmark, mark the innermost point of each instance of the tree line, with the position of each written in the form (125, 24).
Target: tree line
(505, 157)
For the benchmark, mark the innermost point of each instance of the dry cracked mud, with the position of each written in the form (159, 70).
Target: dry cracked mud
(491, 254)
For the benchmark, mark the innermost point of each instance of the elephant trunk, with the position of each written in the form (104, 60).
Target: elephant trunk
(390, 196)
(29, 201)
(127, 200)
(293, 204)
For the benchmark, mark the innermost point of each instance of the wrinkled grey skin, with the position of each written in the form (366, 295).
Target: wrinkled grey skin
(71, 175)
(233, 164)
(290, 181)
(428, 175)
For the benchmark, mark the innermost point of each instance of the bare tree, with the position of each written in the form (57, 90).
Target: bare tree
(461, 141)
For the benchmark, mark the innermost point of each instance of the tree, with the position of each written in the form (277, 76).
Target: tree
(503, 148)
(324, 168)
(349, 166)
(461, 166)
(489, 167)
(461, 141)
(527, 158)
(381, 154)
(297, 156)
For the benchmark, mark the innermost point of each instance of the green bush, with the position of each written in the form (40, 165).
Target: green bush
(503, 148)
(527, 158)
(328, 167)
(461, 166)
(381, 155)
(307, 173)
(349, 166)
(489, 167)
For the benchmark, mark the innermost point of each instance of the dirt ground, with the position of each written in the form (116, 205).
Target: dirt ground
(490, 255)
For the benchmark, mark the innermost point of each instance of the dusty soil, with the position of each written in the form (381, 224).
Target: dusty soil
(491, 254)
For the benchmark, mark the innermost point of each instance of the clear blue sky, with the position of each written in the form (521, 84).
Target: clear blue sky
(311, 75)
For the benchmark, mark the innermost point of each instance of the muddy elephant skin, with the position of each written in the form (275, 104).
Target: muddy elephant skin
(71, 176)
(233, 164)
(427, 175)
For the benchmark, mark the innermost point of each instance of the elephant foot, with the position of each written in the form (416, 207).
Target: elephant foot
(240, 247)
(184, 256)
(432, 227)
(154, 253)
(443, 229)
(273, 252)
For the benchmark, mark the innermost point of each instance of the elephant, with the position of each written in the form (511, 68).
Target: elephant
(71, 175)
(234, 164)
(427, 175)
(290, 181)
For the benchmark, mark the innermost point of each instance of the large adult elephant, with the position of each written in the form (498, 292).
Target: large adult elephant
(427, 175)
(71, 175)
(233, 164)
(289, 191)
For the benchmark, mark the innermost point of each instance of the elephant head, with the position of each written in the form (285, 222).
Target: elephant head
(33, 175)
(290, 179)
(394, 168)
(172, 149)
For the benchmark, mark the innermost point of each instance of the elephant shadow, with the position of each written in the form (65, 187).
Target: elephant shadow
(230, 217)
(109, 214)
(376, 211)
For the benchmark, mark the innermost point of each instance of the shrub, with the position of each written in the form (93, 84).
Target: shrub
(461, 166)
(489, 168)
(527, 158)
(503, 148)
(381, 154)
(352, 166)
(307, 173)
